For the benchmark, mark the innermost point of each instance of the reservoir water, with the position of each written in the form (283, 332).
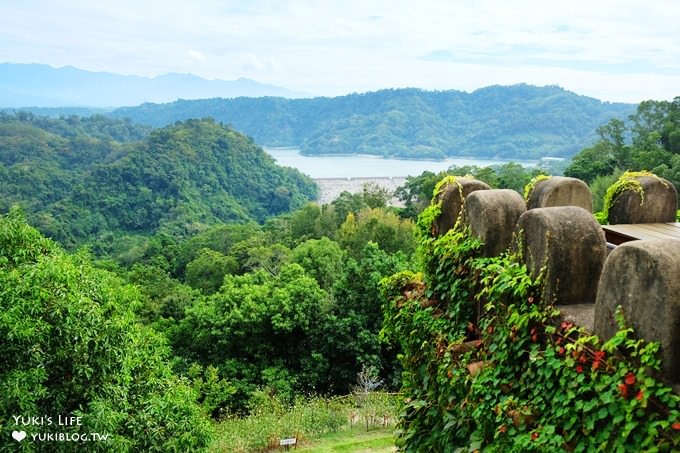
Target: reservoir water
(363, 166)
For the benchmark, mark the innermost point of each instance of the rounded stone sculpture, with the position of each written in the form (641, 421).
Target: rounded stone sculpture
(568, 246)
(560, 191)
(492, 216)
(452, 195)
(642, 278)
(655, 202)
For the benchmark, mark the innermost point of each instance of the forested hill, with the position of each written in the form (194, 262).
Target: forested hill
(80, 178)
(520, 121)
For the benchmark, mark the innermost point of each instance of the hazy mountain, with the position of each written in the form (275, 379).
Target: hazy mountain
(37, 85)
(519, 121)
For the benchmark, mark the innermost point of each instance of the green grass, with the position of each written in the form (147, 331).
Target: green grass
(352, 440)
(333, 425)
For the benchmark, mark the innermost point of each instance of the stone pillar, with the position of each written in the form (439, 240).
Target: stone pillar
(643, 277)
(560, 191)
(452, 196)
(570, 244)
(492, 216)
(655, 201)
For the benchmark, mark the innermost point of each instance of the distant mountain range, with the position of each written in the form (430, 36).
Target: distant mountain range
(518, 122)
(38, 85)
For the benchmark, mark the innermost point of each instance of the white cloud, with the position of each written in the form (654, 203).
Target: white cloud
(626, 50)
(197, 56)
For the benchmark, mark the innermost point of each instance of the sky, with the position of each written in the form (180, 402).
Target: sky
(618, 50)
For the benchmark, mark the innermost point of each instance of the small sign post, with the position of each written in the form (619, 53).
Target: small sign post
(288, 442)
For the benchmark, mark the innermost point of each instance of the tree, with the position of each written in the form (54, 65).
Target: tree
(514, 176)
(649, 143)
(416, 193)
(258, 322)
(321, 259)
(348, 203)
(385, 228)
(258, 253)
(375, 196)
(591, 162)
(72, 346)
(206, 272)
(352, 330)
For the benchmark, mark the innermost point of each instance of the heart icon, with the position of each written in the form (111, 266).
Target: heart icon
(19, 435)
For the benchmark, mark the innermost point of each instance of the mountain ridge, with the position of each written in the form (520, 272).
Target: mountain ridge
(79, 178)
(518, 121)
(40, 85)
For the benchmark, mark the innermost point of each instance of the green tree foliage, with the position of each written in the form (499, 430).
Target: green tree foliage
(75, 184)
(250, 278)
(163, 296)
(375, 196)
(260, 252)
(352, 341)
(382, 227)
(219, 238)
(258, 330)
(72, 346)
(208, 269)
(520, 121)
(321, 259)
(648, 142)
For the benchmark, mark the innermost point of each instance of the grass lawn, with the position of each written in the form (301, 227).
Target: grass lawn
(352, 440)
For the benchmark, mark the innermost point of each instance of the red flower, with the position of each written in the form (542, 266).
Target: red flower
(629, 379)
(534, 435)
(599, 355)
(561, 351)
(639, 395)
(676, 426)
(579, 369)
(623, 388)
(583, 358)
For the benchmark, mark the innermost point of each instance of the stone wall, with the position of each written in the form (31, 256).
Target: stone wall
(557, 236)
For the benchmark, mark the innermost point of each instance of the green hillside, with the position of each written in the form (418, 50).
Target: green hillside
(520, 121)
(79, 178)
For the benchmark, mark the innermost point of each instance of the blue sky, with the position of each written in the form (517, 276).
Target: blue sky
(619, 50)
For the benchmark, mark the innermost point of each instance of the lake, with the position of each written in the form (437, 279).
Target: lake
(364, 166)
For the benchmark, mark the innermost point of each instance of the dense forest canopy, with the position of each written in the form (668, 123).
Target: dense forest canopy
(82, 178)
(520, 121)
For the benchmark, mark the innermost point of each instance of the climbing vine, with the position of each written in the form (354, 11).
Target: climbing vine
(529, 188)
(627, 181)
(489, 365)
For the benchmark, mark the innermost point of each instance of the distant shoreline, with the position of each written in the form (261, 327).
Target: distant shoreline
(500, 160)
